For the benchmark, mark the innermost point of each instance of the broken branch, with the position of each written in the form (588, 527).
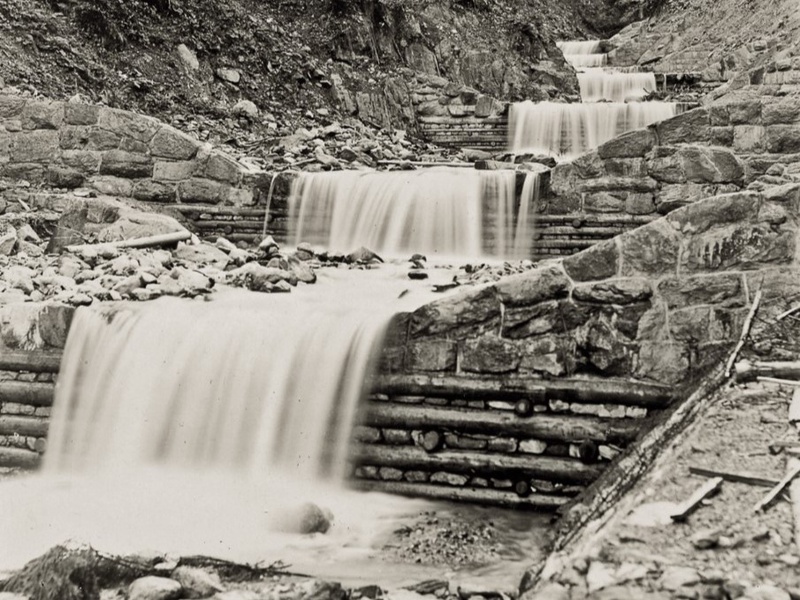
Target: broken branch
(709, 488)
(748, 322)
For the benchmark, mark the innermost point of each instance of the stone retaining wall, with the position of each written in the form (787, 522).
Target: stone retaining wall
(116, 152)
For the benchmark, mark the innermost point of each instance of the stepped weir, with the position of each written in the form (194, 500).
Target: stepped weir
(610, 105)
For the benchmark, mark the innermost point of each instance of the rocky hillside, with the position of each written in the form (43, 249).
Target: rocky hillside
(293, 58)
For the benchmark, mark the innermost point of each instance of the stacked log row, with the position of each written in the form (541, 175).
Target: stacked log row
(27, 386)
(532, 444)
(563, 235)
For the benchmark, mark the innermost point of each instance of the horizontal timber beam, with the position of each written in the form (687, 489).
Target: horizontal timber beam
(549, 468)
(588, 391)
(24, 392)
(548, 427)
(476, 495)
(35, 362)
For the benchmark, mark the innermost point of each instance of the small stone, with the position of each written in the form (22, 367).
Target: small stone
(674, 578)
(766, 592)
(246, 109)
(599, 576)
(154, 588)
(8, 239)
(706, 539)
(363, 255)
(229, 75)
(417, 274)
(188, 57)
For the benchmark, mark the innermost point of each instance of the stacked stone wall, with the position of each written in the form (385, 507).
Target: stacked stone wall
(116, 152)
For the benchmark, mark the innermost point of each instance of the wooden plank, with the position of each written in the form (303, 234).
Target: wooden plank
(777, 381)
(773, 494)
(746, 370)
(585, 391)
(548, 427)
(19, 457)
(549, 468)
(747, 478)
(745, 333)
(544, 502)
(794, 407)
(34, 362)
(35, 393)
(690, 505)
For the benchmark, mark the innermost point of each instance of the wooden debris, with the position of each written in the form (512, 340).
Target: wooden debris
(749, 371)
(709, 488)
(794, 407)
(787, 313)
(151, 241)
(773, 494)
(778, 381)
(734, 477)
(748, 322)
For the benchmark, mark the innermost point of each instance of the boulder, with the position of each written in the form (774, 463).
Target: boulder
(154, 588)
(203, 254)
(197, 583)
(8, 239)
(246, 109)
(229, 75)
(258, 278)
(301, 270)
(363, 255)
(188, 57)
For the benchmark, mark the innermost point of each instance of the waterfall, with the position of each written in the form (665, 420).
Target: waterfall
(569, 130)
(609, 107)
(600, 84)
(230, 385)
(445, 212)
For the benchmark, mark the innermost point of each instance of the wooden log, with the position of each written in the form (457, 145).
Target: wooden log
(23, 426)
(559, 470)
(151, 241)
(734, 477)
(776, 491)
(543, 502)
(746, 370)
(776, 381)
(691, 504)
(19, 458)
(586, 391)
(547, 427)
(218, 210)
(745, 333)
(794, 407)
(423, 163)
(35, 393)
(787, 313)
(34, 362)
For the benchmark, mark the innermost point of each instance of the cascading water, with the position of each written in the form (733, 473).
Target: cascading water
(599, 85)
(451, 212)
(202, 427)
(609, 107)
(569, 130)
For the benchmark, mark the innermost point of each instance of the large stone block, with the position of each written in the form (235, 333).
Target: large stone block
(626, 167)
(667, 167)
(489, 354)
(469, 309)
(173, 170)
(64, 177)
(601, 261)
(112, 186)
(789, 193)
(11, 106)
(749, 138)
(725, 289)
(171, 143)
(155, 191)
(589, 166)
(527, 321)
(128, 124)
(663, 362)
(746, 112)
(739, 245)
(223, 168)
(532, 287)
(639, 203)
(614, 291)
(722, 209)
(614, 184)
(710, 165)
(782, 111)
(628, 145)
(783, 139)
(432, 355)
(690, 324)
(30, 172)
(604, 202)
(40, 114)
(101, 139)
(651, 250)
(86, 161)
(126, 164)
(38, 146)
(687, 128)
(202, 190)
(76, 113)
(547, 355)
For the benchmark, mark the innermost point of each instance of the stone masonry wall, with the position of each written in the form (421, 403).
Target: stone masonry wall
(115, 152)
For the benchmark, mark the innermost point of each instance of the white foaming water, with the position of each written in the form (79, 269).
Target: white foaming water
(569, 130)
(603, 85)
(583, 54)
(444, 212)
(200, 427)
(586, 61)
(579, 46)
